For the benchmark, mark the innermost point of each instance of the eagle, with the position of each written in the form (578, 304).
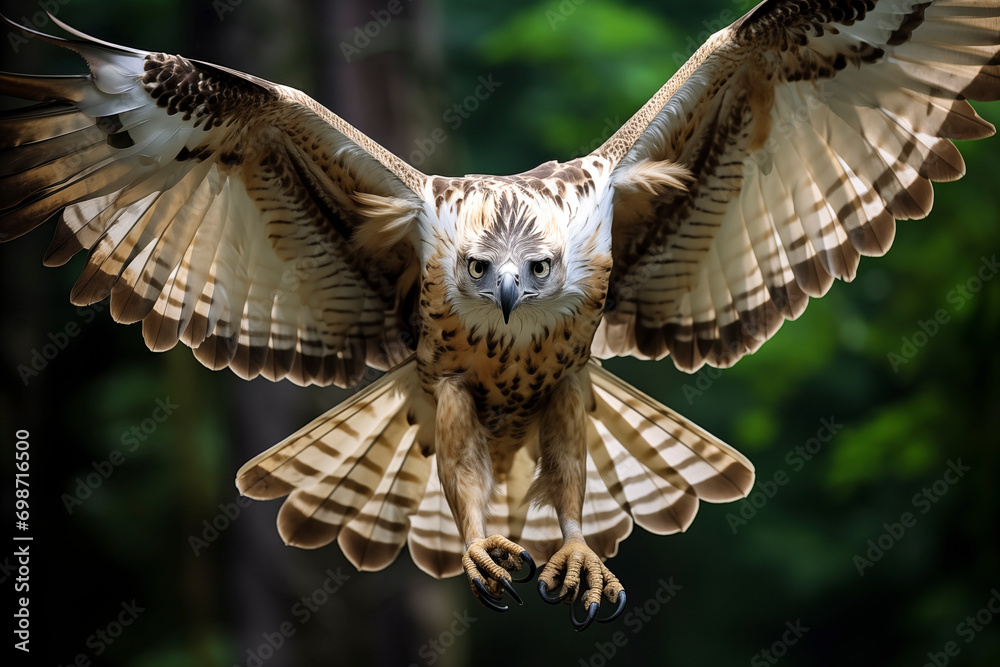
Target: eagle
(245, 220)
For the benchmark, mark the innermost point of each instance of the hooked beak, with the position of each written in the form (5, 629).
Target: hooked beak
(508, 293)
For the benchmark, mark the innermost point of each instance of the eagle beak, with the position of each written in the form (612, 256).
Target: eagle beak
(508, 294)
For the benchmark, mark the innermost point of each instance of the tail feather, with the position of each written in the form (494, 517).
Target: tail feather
(656, 464)
(540, 534)
(362, 464)
(509, 511)
(313, 516)
(434, 543)
(605, 522)
(364, 474)
(375, 537)
(656, 504)
(536, 527)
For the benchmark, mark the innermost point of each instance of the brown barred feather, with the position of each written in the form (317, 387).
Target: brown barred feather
(217, 208)
(809, 127)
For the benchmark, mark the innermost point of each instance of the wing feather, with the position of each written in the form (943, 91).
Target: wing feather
(225, 212)
(809, 128)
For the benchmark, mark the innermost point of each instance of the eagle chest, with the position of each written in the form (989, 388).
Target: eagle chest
(509, 383)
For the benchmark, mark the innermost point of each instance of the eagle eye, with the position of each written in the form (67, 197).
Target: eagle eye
(477, 268)
(541, 269)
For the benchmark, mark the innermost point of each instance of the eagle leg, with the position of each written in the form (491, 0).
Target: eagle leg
(562, 482)
(466, 473)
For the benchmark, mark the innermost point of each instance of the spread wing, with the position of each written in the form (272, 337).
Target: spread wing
(235, 215)
(809, 127)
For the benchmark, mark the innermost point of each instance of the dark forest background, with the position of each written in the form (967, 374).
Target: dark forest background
(569, 73)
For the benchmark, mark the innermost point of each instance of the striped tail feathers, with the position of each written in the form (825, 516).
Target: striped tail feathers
(606, 522)
(513, 514)
(434, 543)
(355, 474)
(373, 539)
(655, 463)
(437, 548)
(363, 474)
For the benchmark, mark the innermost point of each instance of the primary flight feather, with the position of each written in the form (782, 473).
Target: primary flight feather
(245, 220)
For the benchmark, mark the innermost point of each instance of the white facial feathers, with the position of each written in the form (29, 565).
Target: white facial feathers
(520, 253)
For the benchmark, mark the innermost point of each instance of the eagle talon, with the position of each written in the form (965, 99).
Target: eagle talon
(618, 611)
(486, 598)
(488, 563)
(510, 589)
(543, 592)
(526, 558)
(582, 575)
(478, 583)
(585, 623)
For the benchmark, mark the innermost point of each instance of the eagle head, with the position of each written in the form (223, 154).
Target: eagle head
(510, 261)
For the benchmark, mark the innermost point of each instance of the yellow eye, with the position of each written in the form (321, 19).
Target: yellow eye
(477, 268)
(541, 269)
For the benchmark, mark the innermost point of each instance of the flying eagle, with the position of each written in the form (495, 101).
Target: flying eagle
(245, 220)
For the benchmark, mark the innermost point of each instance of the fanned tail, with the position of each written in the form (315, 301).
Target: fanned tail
(356, 474)
(364, 474)
(655, 464)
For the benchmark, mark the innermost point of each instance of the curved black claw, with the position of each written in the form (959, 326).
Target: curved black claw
(585, 623)
(618, 612)
(543, 592)
(488, 599)
(525, 556)
(510, 589)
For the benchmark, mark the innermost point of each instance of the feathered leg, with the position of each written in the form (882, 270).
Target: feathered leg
(466, 473)
(562, 482)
